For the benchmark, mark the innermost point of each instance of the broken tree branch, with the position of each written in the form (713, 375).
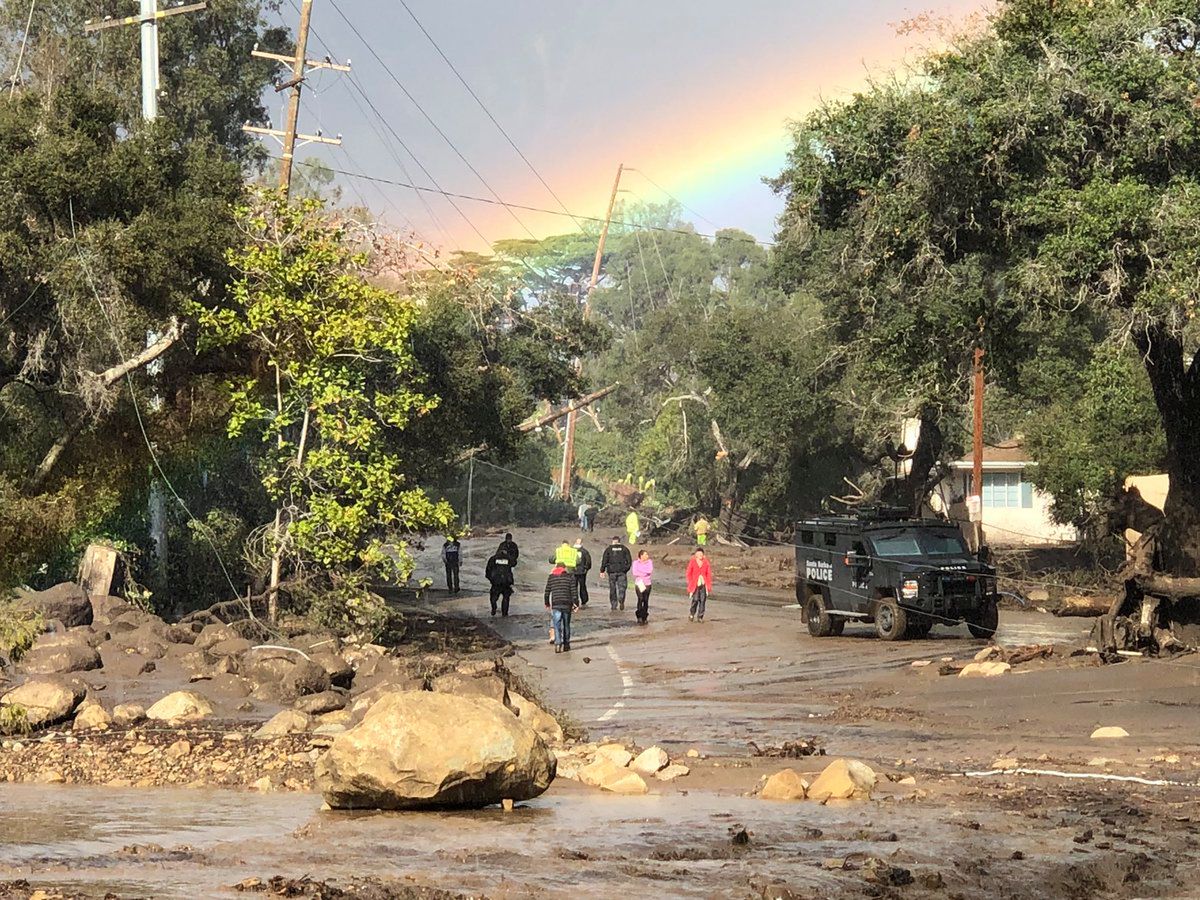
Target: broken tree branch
(546, 419)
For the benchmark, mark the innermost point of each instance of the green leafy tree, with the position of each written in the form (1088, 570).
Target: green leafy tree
(1041, 168)
(335, 375)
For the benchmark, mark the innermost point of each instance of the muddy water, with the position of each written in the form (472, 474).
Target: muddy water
(570, 842)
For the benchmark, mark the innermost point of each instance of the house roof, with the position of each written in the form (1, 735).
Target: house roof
(1004, 454)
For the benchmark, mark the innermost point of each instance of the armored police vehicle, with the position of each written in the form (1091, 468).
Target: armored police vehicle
(903, 574)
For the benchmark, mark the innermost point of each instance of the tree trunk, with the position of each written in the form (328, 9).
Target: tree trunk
(1176, 388)
(911, 489)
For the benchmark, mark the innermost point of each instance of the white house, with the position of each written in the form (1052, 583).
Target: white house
(1015, 513)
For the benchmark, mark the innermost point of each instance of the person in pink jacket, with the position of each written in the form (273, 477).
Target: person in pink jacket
(643, 574)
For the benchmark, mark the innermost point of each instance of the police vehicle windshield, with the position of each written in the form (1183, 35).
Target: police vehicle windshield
(918, 542)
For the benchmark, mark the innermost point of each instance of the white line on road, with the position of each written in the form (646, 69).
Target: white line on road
(626, 687)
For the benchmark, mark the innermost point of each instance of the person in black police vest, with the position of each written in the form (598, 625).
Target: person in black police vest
(452, 556)
(499, 574)
(615, 565)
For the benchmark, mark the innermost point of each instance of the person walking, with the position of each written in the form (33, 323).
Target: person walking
(700, 528)
(451, 556)
(499, 574)
(632, 527)
(582, 511)
(699, 584)
(583, 565)
(562, 598)
(615, 565)
(508, 548)
(643, 576)
(566, 556)
(591, 517)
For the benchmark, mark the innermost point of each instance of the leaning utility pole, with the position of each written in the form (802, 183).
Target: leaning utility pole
(975, 504)
(147, 19)
(569, 442)
(300, 66)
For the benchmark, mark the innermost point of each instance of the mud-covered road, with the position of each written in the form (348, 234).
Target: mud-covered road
(749, 673)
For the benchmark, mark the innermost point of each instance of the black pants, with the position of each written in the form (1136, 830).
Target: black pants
(618, 583)
(643, 603)
(699, 598)
(502, 593)
(452, 576)
(581, 580)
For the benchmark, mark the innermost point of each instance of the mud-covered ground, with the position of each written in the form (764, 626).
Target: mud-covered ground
(748, 677)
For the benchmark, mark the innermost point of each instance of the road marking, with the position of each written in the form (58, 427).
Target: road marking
(626, 687)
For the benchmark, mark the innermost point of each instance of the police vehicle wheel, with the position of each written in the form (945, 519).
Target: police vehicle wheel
(984, 624)
(819, 621)
(891, 622)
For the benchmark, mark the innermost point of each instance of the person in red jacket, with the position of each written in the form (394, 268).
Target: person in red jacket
(699, 584)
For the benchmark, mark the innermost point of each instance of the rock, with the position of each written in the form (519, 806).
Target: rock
(1006, 762)
(67, 603)
(490, 686)
(987, 653)
(213, 634)
(907, 779)
(784, 785)
(921, 663)
(843, 779)
(180, 634)
(60, 659)
(227, 647)
(425, 750)
(91, 716)
(650, 761)
(693, 754)
(282, 675)
(326, 728)
(337, 717)
(1109, 731)
(536, 718)
(181, 706)
(106, 608)
(673, 771)
(48, 776)
(263, 785)
(983, 669)
(178, 750)
(615, 753)
(46, 699)
(290, 721)
(126, 714)
(608, 776)
(340, 672)
(324, 702)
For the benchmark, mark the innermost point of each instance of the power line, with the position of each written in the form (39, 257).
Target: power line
(488, 112)
(632, 226)
(428, 118)
(676, 199)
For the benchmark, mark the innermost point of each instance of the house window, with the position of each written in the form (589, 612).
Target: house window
(1006, 490)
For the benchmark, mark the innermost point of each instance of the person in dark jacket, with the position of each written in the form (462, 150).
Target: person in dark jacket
(508, 547)
(615, 565)
(562, 598)
(499, 574)
(451, 556)
(583, 565)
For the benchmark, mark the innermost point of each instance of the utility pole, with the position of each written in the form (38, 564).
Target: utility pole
(975, 503)
(569, 442)
(147, 19)
(300, 66)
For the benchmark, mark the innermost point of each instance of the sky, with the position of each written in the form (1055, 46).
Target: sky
(694, 97)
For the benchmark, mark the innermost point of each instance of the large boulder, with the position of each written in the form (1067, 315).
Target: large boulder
(424, 750)
(536, 718)
(126, 714)
(324, 702)
(46, 700)
(213, 634)
(651, 760)
(290, 721)
(784, 785)
(181, 706)
(608, 776)
(67, 603)
(340, 672)
(282, 675)
(91, 716)
(60, 657)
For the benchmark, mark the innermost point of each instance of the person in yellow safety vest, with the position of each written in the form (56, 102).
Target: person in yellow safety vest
(566, 556)
(632, 526)
(700, 527)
